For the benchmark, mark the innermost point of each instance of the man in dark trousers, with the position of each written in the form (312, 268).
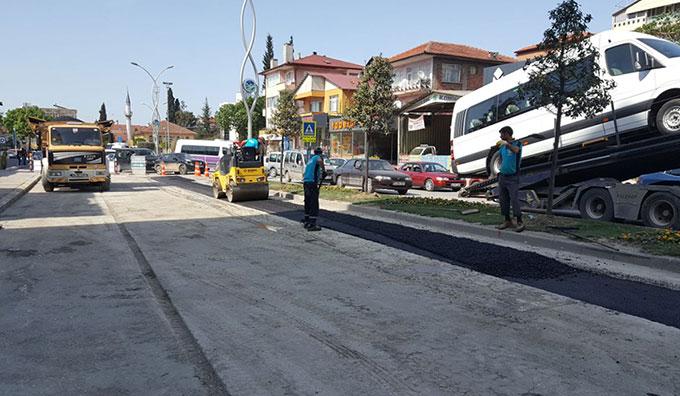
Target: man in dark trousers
(508, 179)
(314, 174)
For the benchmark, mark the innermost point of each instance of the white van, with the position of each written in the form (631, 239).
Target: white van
(209, 151)
(646, 70)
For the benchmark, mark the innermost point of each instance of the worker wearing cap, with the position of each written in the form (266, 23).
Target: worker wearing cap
(314, 174)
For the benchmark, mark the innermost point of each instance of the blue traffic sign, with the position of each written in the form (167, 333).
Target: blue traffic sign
(309, 131)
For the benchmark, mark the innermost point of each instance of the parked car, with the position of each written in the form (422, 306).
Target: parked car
(331, 164)
(272, 163)
(123, 158)
(667, 178)
(381, 175)
(178, 163)
(432, 176)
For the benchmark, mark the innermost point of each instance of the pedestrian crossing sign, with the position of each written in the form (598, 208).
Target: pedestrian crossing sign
(309, 131)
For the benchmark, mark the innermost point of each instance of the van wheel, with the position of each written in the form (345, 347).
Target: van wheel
(429, 185)
(597, 204)
(272, 172)
(668, 117)
(339, 182)
(493, 164)
(661, 210)
(287, 177)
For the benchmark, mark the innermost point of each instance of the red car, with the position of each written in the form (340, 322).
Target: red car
(431, 176)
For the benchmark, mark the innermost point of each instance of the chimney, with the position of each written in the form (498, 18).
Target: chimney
(314, 52)
(287, 53)
(273, 63)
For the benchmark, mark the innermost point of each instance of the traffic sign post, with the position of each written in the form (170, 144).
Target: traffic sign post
(309, 132)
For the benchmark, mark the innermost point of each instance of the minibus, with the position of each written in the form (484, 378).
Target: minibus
(208, 151)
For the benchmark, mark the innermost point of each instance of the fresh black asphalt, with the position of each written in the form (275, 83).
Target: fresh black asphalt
(650, 302)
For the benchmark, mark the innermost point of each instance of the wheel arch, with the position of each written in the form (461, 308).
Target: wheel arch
(661, 99)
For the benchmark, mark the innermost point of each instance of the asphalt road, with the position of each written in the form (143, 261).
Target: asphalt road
(227, 298)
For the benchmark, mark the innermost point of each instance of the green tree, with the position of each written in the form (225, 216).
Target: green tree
(17, 120)
(372, 106)
(205, 119)
(268, 55)
(102, 113)
(286, 120)
(567, 80)
(667, 27)
(175, 109)
(225, 118)
(233, 115)
(184, 117)
(171, 106)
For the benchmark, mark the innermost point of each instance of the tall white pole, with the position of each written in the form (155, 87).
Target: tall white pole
(248, 47)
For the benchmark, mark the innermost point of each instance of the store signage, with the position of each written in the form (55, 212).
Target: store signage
(416, 124)
(341, 125)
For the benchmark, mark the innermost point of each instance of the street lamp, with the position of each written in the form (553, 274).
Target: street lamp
(154, 97)
(167, 123)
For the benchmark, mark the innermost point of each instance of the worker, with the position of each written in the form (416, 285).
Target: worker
(314, 174)
(508, 179)
(258, 144)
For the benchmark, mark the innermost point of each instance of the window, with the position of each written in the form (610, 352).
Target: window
(627, 58)
(416, 168)
(450, 73)
(272, 102)
(473, 70)
(666, 48)
(290, 77)
(316, 106)
(481, 115)
(510, 103)
(409, 74)
(273, 79)
(333, 104)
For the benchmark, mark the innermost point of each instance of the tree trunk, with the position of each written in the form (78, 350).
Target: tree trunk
(553, 165)
(281, 161)
(365, 184)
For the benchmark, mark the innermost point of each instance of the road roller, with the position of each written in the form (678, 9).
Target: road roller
(240, 176)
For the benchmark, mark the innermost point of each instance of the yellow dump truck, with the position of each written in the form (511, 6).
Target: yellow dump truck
(73, 153)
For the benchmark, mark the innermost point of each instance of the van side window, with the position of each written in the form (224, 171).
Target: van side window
(481, 115)
(511, 103)
(620, 60)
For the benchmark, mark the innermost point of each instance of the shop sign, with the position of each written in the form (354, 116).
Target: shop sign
(340, 124)
(416, 124)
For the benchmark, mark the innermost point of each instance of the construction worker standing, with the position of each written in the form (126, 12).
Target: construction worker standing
(314, 174)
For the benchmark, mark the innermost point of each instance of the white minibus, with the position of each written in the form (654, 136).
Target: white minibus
(209, 151)
(646, 99)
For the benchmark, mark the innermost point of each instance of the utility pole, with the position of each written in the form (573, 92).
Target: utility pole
(155, 122)
(167, 120)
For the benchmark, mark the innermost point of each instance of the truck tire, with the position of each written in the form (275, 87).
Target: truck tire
(106, 186)
(661, 210)
(493, 164)
(668, 118)
(47, 185)
(596, 204)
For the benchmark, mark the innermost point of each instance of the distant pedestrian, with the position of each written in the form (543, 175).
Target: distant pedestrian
(314, 174)
(21, 157)
(508, 179)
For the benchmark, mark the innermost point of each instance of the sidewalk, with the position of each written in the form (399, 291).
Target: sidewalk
(14, 183)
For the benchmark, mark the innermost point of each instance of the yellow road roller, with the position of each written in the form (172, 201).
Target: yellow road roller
(240, 176)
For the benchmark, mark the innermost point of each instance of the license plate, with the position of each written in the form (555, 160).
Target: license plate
(399, 183)
(456, 185)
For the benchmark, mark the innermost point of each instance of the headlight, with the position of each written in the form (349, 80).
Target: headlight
(53, 173)
(442, 179)
(382, 178)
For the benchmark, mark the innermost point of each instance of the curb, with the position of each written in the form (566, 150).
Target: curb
(18, 192)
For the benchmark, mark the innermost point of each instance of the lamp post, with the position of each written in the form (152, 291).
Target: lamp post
(248, 86)
(167, 122)
(155, 122)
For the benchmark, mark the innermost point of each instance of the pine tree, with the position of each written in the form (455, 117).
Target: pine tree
(205, 118)
(171, 107)
(102, 113)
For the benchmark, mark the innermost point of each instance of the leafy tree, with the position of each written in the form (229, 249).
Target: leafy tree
(225, 116)
(171, 106)
(234, 116)
(175, 109)
(372, 105)
(268, 55)
(286, 120)
(184, 117)
(567, 79)
(102, 113)
(17, 120)
(205, 118)
(667, 27)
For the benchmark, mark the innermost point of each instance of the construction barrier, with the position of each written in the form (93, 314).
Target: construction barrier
(197, 169)
(207, 171)
(163, 169)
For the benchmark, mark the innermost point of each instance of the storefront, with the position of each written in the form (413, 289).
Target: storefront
(347, 141)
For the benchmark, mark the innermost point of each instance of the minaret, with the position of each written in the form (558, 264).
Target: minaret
(128, 119)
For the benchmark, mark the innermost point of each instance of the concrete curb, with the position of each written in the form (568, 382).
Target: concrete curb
(18, 192)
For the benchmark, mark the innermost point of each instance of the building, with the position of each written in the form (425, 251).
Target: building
(146, 132)
(290, 73)
(428, 80)
(641, 12)
(324, 98)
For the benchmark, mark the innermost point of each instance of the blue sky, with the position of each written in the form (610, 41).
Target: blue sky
(77, 53)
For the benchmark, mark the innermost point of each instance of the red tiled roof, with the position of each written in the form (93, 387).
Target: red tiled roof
(455, 50)
(535, 47)
(319, 61)
(342, 81)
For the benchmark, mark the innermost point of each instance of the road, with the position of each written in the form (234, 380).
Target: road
(157, 288)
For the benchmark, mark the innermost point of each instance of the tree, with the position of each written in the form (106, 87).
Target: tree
(205, 118)
(234, 116)
(372, 105)
(667, 27)
(567, 80)
(17, 120)
(175, 109)
(102, 113)
(225, 117)
(286, 120)
(171, 106)
(268, 56)
(184, 117)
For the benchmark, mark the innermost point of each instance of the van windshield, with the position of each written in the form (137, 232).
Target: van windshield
(668, 49)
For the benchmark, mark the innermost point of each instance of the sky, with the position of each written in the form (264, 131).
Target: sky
(77, 53)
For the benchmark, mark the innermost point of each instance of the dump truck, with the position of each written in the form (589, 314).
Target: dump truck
(73, 152)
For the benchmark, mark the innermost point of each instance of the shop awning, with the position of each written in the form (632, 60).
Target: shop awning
(440, 101)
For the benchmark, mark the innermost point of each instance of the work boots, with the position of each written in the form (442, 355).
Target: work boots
(506, 224)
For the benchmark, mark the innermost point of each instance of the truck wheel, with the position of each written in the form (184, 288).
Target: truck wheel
(493, 164)
(597, 204)
(668, 117)
(106, 186)
(47, 185)
(661, 210)
(429, 185)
